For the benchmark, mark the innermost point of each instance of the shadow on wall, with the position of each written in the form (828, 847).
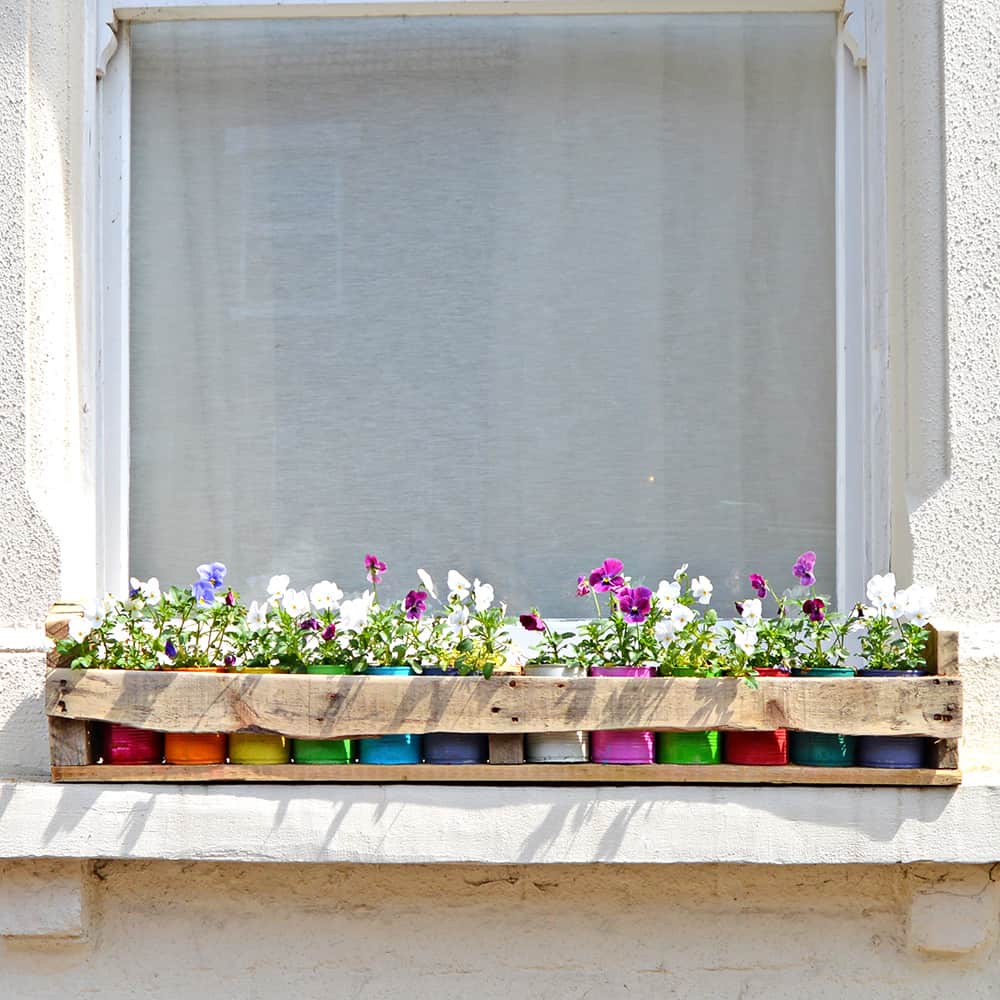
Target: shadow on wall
(24, 735)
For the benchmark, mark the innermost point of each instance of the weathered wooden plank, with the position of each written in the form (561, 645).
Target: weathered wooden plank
(57, 620)
(327, 707)
(71, 742)
(942, 660)
(591, 774)
(507, 748)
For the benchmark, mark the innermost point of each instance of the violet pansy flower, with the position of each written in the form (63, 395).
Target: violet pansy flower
(814, 609)
(607, 576)
(329, 632)
(310, 625)
(415, 604)
(582, 586)
(759, 584)
(203, 592)
(213, 573)
(170, 649)
(374, 567)
(634, 603)
(533, 622)
(803, 569)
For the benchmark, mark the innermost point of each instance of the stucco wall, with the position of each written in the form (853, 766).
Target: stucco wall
(167, 930)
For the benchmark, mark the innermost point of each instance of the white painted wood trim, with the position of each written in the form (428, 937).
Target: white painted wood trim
(863, 488)
(112, 332)
(175, 10)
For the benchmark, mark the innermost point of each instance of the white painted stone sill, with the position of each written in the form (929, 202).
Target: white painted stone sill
(502, 824)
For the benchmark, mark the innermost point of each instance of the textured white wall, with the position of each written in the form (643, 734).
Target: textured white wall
(161, 931)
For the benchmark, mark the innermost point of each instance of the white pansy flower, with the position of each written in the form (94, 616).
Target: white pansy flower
(667, 593)
(326, 595)
(898, 605)
(459, 618)
(295, 602)
(680, 571)
(458, 587)
(148, 628)
(701, 588)
(664, 631)
(681, 616)
(881, 591)
(163, 660)
(120, 632)
(276, 587)
(151, 590)
(428, 583)
(256, 616)
(745, 639)
(919, 603)
(751, 612)
(483, 594)
(80, 628)
(354, 613)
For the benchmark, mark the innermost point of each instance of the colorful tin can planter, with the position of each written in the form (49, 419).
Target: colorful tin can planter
(453, 748)
(556, 748)
(694, 747)
(195, 748)
(822, 749)
(698, 747)
(259, 748)
(396, 748)
(324, 751)
(765, 748)
(900, 752)
(129, 745)
(622, 746)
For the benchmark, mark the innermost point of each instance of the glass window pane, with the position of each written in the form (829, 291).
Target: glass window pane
(506, 294)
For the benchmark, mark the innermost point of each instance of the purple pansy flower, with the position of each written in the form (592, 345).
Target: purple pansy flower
(310, 624)
(133, 592)
(230, 598)
(814, 609)
(803, 569)
(203, 592)
(229, 660)
(582, 586)
(329, 632)
(533, 622)
(634, 603)
(415, 604)
(170, 649)
(759, 584)
(607, 576)
(374, 567)
(212, 573)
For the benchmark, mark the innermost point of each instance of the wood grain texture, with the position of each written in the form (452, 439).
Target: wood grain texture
(942, 660)
(71, 742)
(329, 707)
(591, 774)
(507, 748)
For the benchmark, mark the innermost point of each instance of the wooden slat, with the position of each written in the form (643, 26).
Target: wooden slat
(327, 707)
(616, 774)
(71, 742)
(507, 748)
(942, 660)
(57, 627)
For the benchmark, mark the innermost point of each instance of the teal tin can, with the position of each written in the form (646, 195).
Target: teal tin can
(398, 748)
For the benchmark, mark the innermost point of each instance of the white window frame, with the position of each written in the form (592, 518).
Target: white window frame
(862, 421)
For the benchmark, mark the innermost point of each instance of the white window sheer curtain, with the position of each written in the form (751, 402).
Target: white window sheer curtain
(505, 294)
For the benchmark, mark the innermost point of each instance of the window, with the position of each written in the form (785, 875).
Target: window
(509, 294)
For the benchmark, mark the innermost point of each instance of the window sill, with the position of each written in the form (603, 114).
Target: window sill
(504, 825)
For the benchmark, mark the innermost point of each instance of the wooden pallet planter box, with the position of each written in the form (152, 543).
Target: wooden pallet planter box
(506, 707)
